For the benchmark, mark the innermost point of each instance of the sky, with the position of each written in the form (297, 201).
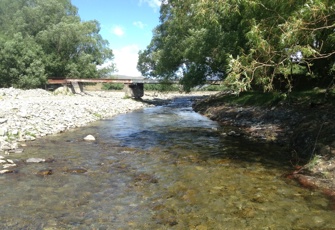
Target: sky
(126, 24)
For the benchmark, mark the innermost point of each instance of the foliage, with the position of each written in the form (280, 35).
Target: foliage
(304, 98)
(46, 38)
(164, 87)
(21, 64)
(112, 86)
(260, 44)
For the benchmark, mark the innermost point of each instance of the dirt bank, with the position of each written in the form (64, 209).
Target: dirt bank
(305, 131)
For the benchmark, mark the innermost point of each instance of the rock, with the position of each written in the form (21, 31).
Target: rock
(18, 151)
(5, 166)
(6, 171)
(10, 161)
(44, 172)
(6, 146)
(234, 134)
(89, 138)
(29, 138)
(29, 114)
(76, 170)
(3, 131)
(35, 160)
(62, 91)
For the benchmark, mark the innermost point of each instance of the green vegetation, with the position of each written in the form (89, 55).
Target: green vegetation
(112, 86)
(161, 87)
(256, 98)
(265, 45)
(164, 87)
(46, 38)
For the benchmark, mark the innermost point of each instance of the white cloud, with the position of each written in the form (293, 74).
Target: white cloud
(155, 4)
(118, 31)
(126, 59)
(139, 24)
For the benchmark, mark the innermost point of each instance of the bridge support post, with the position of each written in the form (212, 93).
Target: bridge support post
(135, 90)
(77, 87)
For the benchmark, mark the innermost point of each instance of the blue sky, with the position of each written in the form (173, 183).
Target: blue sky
(126, 24)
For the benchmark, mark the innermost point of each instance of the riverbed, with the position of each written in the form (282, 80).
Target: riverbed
(163, 167)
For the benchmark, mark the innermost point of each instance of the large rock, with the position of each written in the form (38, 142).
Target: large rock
(89, 138)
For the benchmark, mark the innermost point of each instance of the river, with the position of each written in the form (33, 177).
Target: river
(163, 167)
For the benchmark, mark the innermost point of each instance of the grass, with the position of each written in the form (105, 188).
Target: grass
(256, 98)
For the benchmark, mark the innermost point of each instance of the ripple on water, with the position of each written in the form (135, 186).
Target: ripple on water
(187, 177)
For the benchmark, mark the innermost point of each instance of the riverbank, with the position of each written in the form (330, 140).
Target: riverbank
(26, 115)
(306, 131)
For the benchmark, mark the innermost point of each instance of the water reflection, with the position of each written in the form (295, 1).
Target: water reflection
(160, 168)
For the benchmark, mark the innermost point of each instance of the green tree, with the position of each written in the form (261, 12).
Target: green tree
(21, 63)
(65, 46)
(248, 43)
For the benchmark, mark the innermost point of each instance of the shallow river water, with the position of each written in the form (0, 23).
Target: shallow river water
(162, 167)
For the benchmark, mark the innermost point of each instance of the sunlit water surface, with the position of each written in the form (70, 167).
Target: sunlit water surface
(162, 167)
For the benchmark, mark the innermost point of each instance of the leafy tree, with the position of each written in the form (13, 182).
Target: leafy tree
(49, 37)
(21, 64)
(265, 44)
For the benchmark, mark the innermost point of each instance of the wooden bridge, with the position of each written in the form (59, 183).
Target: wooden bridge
(132, 87)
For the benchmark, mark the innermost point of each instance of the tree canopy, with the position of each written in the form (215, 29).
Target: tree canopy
(46, 38)
(263, 44)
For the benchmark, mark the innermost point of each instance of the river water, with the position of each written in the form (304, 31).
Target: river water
(163, 167)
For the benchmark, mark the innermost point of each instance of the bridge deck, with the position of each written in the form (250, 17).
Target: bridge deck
(108, 80)
(100, 80)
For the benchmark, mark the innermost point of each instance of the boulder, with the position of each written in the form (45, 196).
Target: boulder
(89, 138)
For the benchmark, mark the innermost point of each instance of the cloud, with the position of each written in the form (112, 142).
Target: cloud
(155, 4)
(118, 31)
(126, 59)
(139, 24)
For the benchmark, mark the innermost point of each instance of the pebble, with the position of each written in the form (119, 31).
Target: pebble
(26, 115)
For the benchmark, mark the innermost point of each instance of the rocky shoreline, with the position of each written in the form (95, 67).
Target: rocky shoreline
(306, 133)
(26, 115)
(29, 114)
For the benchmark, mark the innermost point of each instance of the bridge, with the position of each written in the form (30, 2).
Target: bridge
(132, 87)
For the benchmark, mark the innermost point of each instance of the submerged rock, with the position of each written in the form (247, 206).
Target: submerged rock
(35, 160)
(44, 172)
(76, 170)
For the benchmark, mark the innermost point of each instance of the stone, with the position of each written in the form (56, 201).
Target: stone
(35, 160)
(10, 161)
(76, 170)
(5, 171)
(44, 172)
(42, 113)
(89, 138)
(15, 132)
(8, 165)
(3, 131)
(29, 138)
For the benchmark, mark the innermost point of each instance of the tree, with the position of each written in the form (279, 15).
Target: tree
(21, 63)
(49, 37)
(248, 43)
